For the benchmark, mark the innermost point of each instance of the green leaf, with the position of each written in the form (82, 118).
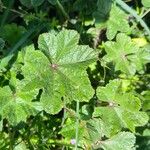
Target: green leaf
(21, 146)
(95, 129)
(122, 109)
(8, 31)
(86, 112)
(146, 3)
(69, 129)
(30, 3)
(109, 121)
(59, 69)
(117, 22)
(123, 52)
(3, 140)
(146, 102)
(102, 13)
(17, 105)
(107, 124)
(42, 77)
(36, 3)
(121, 141)
(2, 44)
(146, 132)
(26, 3)
(53, 2)
(143, 57)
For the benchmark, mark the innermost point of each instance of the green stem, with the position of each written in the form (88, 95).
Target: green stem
(11, 138)
(133, 13)
(62, 9)
(13, 10)
(6, 13)
(77, 124)
(145, 13)
(137, 7)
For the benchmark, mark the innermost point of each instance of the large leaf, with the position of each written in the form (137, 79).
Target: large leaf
(121, 141)
(17, 105)
(117, 22)
(146, 3)
(124, 53)
(122, 110)
(59, 69)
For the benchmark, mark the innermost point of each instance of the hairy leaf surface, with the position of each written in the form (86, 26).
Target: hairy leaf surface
(123, 109)
(117, 22)
(121, 141)
(126, 55)
(59, 69)
(17, 105)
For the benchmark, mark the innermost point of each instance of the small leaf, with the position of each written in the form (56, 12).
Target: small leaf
(117, 22)
(17, 106)
(121, 141)
(140, 41)
(26, 3)
(107, 123)
(123, 53)
(143, 57)
(69, 129)
(95, 129)
(123, 108)
(146, 132)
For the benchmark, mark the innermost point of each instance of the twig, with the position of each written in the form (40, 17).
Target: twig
(62, 9)
(133, 13)
(13, 10)
(77, 124)
(145, 13)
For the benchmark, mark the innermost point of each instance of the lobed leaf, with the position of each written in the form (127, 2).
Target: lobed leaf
(59, 69)
(122, 111)
(121, 141)
(117, 22)
(126, 55)
(17, 106)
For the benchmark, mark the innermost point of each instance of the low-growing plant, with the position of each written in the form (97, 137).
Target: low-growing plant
(74, 74)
